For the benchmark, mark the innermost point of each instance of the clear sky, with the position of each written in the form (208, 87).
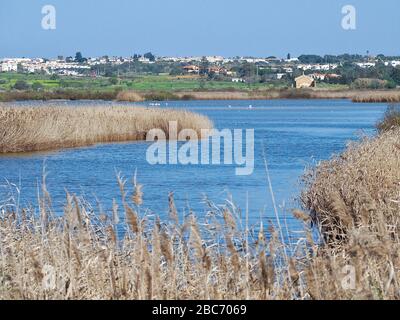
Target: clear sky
(198, 27)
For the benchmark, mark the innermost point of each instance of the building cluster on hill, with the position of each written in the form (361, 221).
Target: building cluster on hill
(236, 69)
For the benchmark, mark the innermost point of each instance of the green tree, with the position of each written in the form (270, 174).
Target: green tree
(247, 70)
(396, 75)
(79, 58)
(21, 85)
(311, 58)
(150, 56)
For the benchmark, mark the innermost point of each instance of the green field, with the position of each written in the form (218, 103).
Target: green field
(8, 80)
(140, 83)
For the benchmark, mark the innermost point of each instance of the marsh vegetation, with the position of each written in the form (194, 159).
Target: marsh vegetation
(27, 129)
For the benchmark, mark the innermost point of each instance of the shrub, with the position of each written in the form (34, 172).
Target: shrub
(366, 83)
(21, 85)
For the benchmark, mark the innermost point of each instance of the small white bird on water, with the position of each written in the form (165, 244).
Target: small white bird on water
(250, 107)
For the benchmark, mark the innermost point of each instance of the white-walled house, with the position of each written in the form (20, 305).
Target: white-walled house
(9, 66)
(365, 65)
(393, 63)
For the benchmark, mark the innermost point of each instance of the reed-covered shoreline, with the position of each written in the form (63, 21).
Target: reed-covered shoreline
(358, 190)
(362, 96)
(27, 129)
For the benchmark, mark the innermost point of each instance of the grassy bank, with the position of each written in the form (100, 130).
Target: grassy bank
(26, 129)
(57, 95)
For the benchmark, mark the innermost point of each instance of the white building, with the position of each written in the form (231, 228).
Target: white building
(317, 67)
(365, 65)
(9, 66)
(292, 60)
(215, 59)
(237, 80)
(393, 63)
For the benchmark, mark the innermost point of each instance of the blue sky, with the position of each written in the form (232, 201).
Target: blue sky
(198, 27)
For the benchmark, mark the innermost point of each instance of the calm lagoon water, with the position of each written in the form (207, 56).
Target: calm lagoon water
(295, 134)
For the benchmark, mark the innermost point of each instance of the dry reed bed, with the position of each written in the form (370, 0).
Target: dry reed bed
(377, 97)
(391, 119)
(24, 129)
(355, 95)
(359, 189)
(354, 200)
(84, 255)
(227, 94)
(135, 96)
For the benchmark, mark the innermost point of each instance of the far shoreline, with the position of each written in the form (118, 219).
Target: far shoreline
(356, 95)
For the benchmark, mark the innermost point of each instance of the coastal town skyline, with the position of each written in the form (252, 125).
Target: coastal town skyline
(216, 57)
(78, 65)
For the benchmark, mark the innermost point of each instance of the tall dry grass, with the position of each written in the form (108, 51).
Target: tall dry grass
(358, 190)
(270, 94)
(391, 119)
(135, 96)
(377, 96)
(354, 200)
(24, 129)
(129, 254)
(84, 255)
(130, 96)
(357, 95)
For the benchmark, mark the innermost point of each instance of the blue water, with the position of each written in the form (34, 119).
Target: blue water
(295, 134)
